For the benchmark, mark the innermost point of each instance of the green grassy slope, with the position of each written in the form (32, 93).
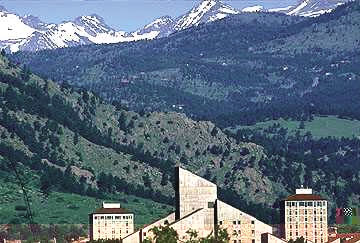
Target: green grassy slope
(319, 127)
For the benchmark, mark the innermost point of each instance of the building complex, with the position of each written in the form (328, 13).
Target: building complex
(197, 207)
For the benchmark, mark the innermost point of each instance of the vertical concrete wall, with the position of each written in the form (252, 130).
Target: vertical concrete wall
(133, 238)
(239, 225)
(201, 221)
(269, 238)
(192, 192)
(146, 231)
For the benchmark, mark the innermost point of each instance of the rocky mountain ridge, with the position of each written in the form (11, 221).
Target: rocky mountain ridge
(29, 33)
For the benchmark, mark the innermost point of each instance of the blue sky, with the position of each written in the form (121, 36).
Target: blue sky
(125, 15)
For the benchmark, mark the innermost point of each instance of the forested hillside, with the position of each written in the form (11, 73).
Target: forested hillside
(239, 70)
(64, 141)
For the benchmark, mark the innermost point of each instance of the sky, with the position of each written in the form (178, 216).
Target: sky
(127, 15)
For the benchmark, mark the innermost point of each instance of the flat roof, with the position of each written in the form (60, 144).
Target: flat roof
(304, 197)
(111, 211)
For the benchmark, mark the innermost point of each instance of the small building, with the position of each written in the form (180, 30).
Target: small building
(305, 215)
(110, 222)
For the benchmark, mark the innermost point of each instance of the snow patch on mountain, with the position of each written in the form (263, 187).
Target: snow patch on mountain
(256, 8)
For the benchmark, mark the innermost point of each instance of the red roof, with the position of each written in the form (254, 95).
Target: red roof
(303, 197)
(111, 211)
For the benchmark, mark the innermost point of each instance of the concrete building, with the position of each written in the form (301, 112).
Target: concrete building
(110, 222)
(305, 214)
(198, 208)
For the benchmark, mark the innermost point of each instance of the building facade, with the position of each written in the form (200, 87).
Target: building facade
(110, 222)
(198, 208)
(305, 214)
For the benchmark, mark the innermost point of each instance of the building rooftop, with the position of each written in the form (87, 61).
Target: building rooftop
(304, 197)
(111, 211)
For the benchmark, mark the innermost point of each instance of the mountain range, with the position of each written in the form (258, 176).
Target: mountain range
(29, 33)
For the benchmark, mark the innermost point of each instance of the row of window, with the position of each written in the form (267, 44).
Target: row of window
(113, 217)
(306, 204)
(305, 211)
(315, 226)
(113, 231)
(105, 222)
(237, 222)
(239, 241)
(290, 219)
(306, 234)
(238, 233)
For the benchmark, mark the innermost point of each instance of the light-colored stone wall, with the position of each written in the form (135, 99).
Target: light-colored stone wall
(202, 221)
(240, 226)
(269, 238)
(112, 226)
(133, 238)
(307, 221)
(146, 231)
(194, 192)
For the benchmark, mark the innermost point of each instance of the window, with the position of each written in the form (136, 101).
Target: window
(310, 204)
(210, 204)
(293, 204)
(301, 204)
(234, 241)
(305, 211)
(239, 222)
(252, 222)
(117, 217)
(319, 204)
(305, 219)
(234, 222)
(288, 204)
(144, 233)
(234, 232)
(239, 232)
(102, 217)
(253, 241)
(253, 232)
(220, 222)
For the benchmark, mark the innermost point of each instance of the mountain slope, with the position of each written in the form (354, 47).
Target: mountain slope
(77, 143)
(314, 8)
(60, 134)
(206, 11)
(310, 8)
(334, 32)
(240, 70)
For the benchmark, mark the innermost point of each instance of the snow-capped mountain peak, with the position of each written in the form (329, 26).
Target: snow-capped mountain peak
(205, 11)
(310, 8)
